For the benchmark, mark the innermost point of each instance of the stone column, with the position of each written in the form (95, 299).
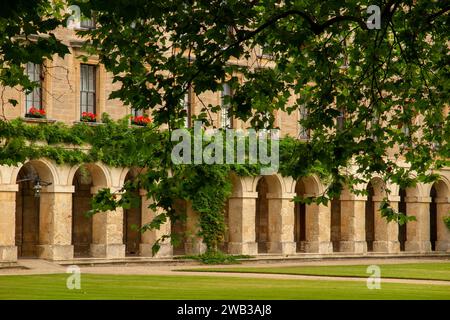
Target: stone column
(318, 228)
(55, 223)
(353, 232)
(281, 224)
(241, 224)
(443, 233)
(107, 232)
(149, 237)
(8, 249)
(194, 244)
(386, 234)
(418, 232)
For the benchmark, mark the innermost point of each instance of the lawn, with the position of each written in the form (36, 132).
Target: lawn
(205, 287)
(427, 271)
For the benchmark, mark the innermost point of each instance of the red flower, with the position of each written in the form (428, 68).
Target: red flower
(37, 113)
(88, 116)
(140, 120)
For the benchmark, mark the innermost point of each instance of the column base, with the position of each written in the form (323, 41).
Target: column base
(248, 248)
(109, 251)
(442, 246)
(55, 252)
(353, 246)
(8, 253)
(418, 246)
(386, 246)
(165, 250)
(318, 247)
(196, 247)
(281, 247)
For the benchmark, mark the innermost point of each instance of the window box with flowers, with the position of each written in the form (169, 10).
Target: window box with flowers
(88, 117)
(140, 120)
(35, 113)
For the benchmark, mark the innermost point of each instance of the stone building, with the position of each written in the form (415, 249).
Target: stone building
(260, 215)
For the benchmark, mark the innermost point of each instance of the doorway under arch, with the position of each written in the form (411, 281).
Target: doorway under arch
(262, 216)
(81, 223)
(402, 227)
(132, 218)
(370, 217)
(27, 216)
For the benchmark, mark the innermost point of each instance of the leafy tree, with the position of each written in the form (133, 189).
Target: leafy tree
(26, 36)
(373, 96)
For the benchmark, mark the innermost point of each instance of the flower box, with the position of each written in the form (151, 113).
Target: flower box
(35, 113)
(140, 120)
(88, 117)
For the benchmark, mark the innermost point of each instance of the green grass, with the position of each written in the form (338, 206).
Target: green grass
(425, 271)
(205, 287)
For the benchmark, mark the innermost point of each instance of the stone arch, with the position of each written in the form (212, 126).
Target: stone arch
(30, 213)
(101, 176)
(85, 178)
(376, 191)
(439, 209)
(43, 167)
(304, 187)
(275, 183)
(381, 235)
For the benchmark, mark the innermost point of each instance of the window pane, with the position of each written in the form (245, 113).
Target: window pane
(33, 99)
(87, 88)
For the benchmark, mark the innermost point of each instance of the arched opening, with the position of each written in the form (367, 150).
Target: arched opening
(262, 215)
(370, 217)
(81, 203)
(439, 210)
(27, 214)
(335, 223)
(178, 229)
(402, 227)
(32, 221)
(300, 218)
(132, 218)
(433, 217)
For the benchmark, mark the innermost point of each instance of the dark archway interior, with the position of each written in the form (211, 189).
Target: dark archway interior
(262, 216)
(178, 229)
(335, 223)
(27, 215)
(131, 223)
(402, 227)
(433, 218)
(300, 219)
(370, 218)
(81, 203)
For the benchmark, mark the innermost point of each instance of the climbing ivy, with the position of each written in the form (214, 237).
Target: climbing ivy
(205, 187)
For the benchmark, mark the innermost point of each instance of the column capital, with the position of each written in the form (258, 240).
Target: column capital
(245, 195)
(59, 189)
(284, 195)
(418, 199)
(9, 187)
(353, 197)
(96, 189)
(442, 200)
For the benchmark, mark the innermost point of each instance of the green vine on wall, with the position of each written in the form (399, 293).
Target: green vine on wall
(116, 143)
